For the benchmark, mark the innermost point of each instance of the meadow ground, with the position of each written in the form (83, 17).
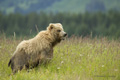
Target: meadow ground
(74, 59)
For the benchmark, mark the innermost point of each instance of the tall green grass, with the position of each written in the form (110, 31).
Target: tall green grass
(76, 58)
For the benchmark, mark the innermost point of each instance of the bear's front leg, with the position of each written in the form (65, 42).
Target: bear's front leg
(46, 56)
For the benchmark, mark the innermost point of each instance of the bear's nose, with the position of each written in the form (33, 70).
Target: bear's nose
(65, 34)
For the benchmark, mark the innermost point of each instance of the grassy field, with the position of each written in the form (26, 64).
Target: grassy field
(74, 59)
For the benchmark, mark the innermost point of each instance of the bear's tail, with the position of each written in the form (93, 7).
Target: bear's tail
(9, 63)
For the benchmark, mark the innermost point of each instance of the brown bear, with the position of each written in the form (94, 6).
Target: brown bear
(30, 53)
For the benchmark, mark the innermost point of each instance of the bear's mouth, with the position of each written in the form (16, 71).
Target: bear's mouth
(63, 38)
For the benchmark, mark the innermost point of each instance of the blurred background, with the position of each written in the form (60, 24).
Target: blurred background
(79, 17)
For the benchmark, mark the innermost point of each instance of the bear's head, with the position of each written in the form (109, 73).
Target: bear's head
(57, 31)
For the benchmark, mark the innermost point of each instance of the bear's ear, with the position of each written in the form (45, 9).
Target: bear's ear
(50, 26)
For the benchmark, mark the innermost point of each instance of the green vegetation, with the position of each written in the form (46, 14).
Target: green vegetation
(76, 58)
(79, 6)
(96, 24)
(73, 6)
(24, 6)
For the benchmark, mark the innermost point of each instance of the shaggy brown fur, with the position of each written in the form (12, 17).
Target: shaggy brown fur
(30, 53)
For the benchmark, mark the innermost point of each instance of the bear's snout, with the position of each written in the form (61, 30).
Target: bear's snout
(65, 34)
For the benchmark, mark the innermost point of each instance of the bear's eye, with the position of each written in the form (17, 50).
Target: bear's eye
(58, 30)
